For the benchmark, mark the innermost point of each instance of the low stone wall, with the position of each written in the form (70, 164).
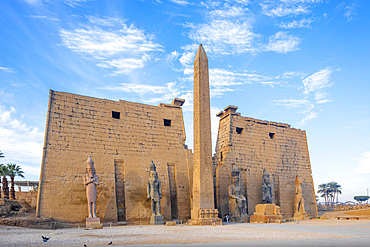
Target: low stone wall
(30, 197)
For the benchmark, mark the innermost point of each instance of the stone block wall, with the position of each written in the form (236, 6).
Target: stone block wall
(122, 138)
(30, 197)
(254, 145)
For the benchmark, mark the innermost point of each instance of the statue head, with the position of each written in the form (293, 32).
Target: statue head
(298, 180)
(153, 171)
(266, 176)
(235, 174)
(90, 169)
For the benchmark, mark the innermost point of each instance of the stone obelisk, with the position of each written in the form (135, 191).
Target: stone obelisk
(203, 211)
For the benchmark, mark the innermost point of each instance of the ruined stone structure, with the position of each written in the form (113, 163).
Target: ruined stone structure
(122, 137)
(254, 145)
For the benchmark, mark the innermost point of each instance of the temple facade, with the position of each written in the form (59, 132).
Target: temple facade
(123, 138)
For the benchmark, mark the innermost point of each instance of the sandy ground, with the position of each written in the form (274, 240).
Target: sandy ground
(304, 233)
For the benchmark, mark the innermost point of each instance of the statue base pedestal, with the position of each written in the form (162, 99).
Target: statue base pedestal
(156, 220)
(266, 213)
(301, 216)
(94, 223)
(242, 219)
(203, 217)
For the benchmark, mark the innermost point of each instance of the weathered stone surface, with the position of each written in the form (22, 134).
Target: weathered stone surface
(299, 211)
(202, 161)
(94, 223)
(154, 191)
(91, 180)
(237, 202)
(123, 137)
(156, 220)
(266, 188)
(254, 145)
(203, 211)
(10, 207)
(171, 223)
(266, 213)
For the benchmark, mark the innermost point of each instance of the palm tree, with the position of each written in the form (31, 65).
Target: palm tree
(335, 189)
(324, 191)
(14, 170)
(1, 156)
(5, 172)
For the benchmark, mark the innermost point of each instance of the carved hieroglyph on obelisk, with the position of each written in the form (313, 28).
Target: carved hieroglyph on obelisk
(203, 211)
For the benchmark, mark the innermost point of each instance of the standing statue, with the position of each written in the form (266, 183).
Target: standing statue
(266, 188)
(298, 201)
(91, 180)
(154, 190)
(237, 202)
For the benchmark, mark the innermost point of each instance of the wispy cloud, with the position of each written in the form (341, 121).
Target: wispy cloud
(171, 57)
(317, 81)
(282, 42)
(75, 3)
(224, 37)
(348, 10)
(112, 42)
(180, 2)
(151, 93)
(303, 23)
(363, 163)
(280, 8)
(33, 2)
(44, 17)
(295, 103)
(7, 70)
(19, 138)
(313, 94)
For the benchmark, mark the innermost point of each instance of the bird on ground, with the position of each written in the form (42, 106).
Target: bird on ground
(110, 243)
(45, 239)
(85, 245)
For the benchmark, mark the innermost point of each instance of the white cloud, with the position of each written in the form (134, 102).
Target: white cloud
(293, 74)
(294, 103)
(44, 17)
(228, 11)
(171, 57)
(74, 3)
(180, 2)
(282, 42)
(350, 11)
(224, 37)
(7, 70)
(33, 2)
(283, 10)
(363, 163)
(309, 116)
(113, 43)
(19, 142)
(151, 94)
(280, 8)
(303, 23)
(317, 81)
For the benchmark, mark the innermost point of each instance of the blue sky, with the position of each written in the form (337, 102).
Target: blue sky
(301, 62)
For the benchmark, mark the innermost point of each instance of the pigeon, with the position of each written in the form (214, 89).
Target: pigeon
(45, 239)
(85, 245)
(110, 243)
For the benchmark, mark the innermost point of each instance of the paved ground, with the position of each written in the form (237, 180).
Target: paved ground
(329, 232)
